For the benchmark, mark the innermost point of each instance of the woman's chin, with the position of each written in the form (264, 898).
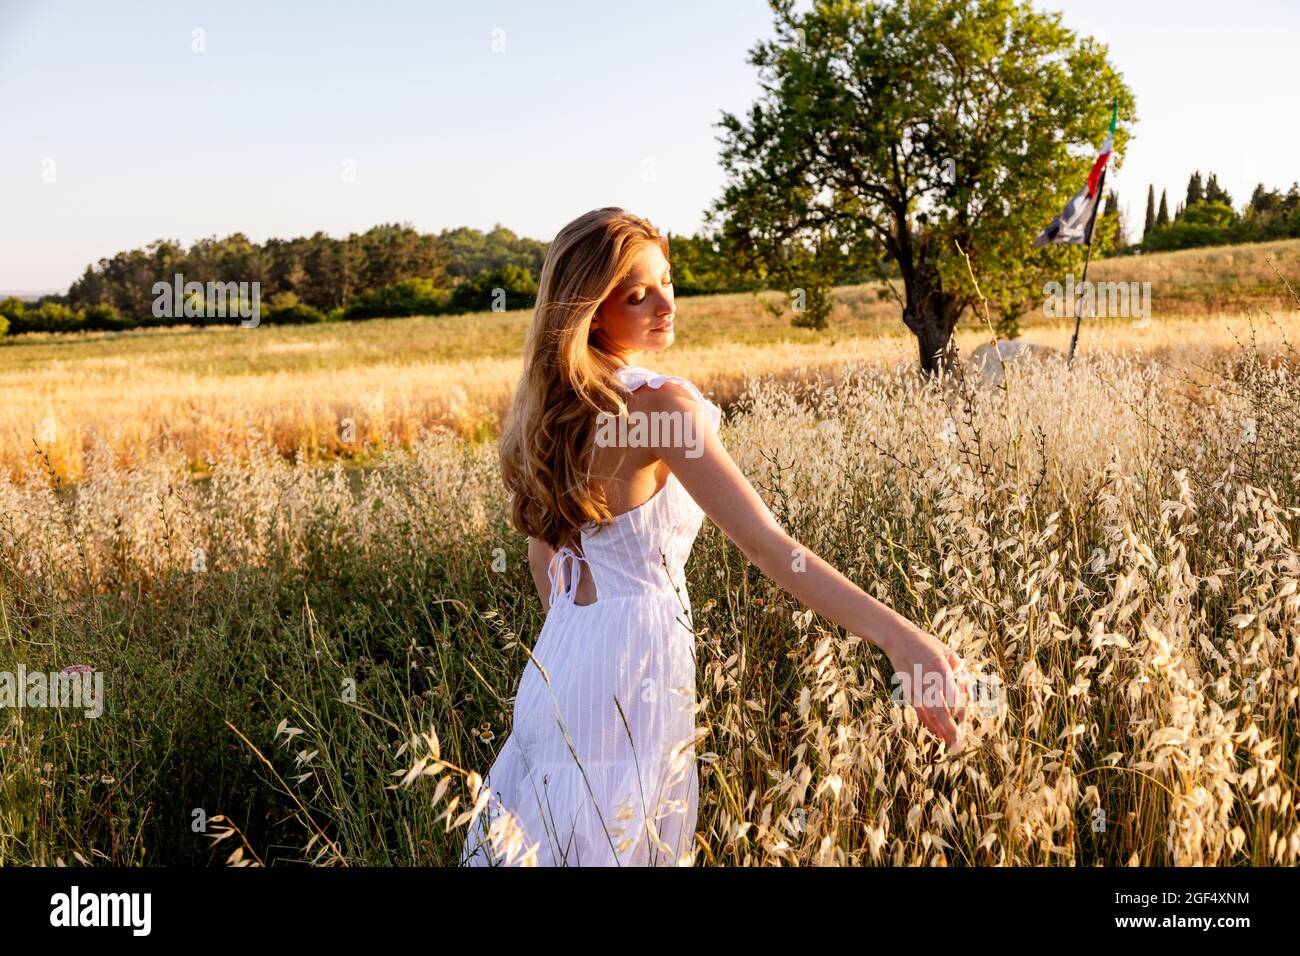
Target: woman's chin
(658, 341)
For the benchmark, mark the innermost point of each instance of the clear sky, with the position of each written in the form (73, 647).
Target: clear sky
(337, 116)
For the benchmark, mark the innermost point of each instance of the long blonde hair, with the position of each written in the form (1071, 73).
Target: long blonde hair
(568, 378)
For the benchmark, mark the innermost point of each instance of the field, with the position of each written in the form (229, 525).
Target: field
(199, 391)
(281, 643)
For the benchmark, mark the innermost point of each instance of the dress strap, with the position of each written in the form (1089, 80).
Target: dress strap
(634, 376)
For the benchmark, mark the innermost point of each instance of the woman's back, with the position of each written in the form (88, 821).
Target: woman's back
(645, 547)
(599, 768)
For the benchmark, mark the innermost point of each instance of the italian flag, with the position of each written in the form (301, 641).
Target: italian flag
(1074, 224)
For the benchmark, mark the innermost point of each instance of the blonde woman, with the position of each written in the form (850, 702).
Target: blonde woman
(599, 768)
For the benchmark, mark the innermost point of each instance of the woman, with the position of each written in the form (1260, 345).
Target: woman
(599, 769)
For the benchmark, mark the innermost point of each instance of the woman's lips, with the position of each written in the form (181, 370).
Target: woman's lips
(667, 326)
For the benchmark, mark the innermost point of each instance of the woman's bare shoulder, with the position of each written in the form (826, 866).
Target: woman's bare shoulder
(673, 393)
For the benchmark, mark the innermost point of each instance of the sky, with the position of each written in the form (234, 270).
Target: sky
(128, 122)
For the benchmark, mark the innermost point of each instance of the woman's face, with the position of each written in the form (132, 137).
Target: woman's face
(638, 314)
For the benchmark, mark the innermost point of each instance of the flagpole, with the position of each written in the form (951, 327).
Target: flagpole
(1087, 258)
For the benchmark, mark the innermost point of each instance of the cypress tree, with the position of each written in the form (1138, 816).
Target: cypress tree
(1216, 193)
(1257, 198)
(1151, 212)
(1195, 191)
(1162, 218)
(1111, 208)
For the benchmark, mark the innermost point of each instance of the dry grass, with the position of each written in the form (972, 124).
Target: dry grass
(1214, 279)
(1117, 544)
(199, 391)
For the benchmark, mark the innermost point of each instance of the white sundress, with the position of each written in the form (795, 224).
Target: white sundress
(588, 785)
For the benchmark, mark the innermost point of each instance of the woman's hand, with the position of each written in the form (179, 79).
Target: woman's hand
(719, 487)
(931, 678)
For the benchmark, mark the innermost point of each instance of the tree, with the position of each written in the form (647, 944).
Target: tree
(1216, 193)
(1150, 222)
(472, 252)
(704, 264)
(1162, 218)
(1262, 201)
(1271, 202)
(103, 317)
(1114, 221)
(407, 297)
(510, 287)
(902, 131)
(1195, 191)
(1206, 213)
(10, 309)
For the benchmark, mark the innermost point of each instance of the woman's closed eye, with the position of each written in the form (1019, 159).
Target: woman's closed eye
(634, 299)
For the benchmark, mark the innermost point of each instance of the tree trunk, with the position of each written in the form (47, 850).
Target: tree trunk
(931, 314)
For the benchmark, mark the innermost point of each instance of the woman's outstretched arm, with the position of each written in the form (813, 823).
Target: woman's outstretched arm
(713, 479)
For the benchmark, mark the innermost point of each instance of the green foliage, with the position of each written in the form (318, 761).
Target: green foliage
(1211, 221)
(284, 308)
(1203, 225)
(46, 317)
(1215, 193)
(325, 274)
(705, 264)
(11, 311)
(899, 164)
(389, 270)
(509, 287)
(300, 314)
(1206, 213)
(1271, 202)
(103, 317)
(1108, 231)
(407, 297)
(471, 252)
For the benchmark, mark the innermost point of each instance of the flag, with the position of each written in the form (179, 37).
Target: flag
(1074, 224)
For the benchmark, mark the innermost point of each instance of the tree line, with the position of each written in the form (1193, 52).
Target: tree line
(923, 144)
(1207, 217)
(390, 270)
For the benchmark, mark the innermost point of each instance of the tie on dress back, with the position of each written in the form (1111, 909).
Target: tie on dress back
(565, 565)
